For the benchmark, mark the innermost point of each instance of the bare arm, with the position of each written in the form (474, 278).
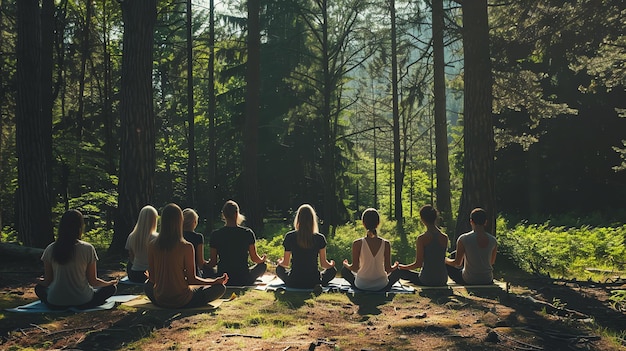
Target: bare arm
(150, 264)
(92, 277)
(323, 262)
(212, 258)
(254, 256)
(460, 255)
(190, 270)
(419, 256)
(388, 266)
(493, 254)
(284, 261)
(200, 262)
(48, 274)
(356, 250)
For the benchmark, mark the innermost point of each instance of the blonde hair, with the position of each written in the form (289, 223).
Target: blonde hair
(190, 219)
(144, 228)
(171, 228)
(305, 224)
(231, 211)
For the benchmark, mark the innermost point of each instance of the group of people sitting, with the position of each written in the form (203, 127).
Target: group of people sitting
(175, 274)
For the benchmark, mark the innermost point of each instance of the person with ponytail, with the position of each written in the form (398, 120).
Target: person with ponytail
(190, 223)
(70, 277)
(230, 247)
(430, 253)
(172, 280)
(303, 246)
(137, 244)
(371, 267)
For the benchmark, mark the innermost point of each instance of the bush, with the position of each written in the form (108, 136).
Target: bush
(565, 251)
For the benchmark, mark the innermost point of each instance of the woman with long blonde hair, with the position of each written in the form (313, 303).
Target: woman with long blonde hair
(302, 247)
(172, 280)
(137, 244)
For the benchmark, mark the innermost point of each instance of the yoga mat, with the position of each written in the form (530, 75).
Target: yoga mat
(40, 307)
(144, 303)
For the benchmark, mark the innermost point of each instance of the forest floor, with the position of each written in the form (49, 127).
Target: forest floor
(537, 313)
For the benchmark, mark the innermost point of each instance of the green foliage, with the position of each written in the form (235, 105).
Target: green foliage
(340, 245)
(618, 300)
(565, 251)
(8, 235)
(97, 208)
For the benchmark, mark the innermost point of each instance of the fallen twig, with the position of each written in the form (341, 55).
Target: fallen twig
(242, 335)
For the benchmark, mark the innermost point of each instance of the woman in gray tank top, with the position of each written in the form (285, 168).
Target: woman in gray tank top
(430, 253)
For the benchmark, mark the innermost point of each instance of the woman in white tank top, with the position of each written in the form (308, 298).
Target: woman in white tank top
(371, 267)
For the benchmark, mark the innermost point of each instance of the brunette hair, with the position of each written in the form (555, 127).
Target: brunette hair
(479, 216)
(71, 228)
(429, 214)
(171, 228)
(305, 224)
(371, 220)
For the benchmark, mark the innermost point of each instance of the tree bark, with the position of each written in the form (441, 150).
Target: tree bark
(398, 176)
(252, 207)
(137, 144)
(443, 192)
(33, 133)
(478, 173)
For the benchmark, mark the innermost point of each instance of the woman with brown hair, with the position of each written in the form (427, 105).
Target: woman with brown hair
(371, 267)
(70, 277)
(172, 280)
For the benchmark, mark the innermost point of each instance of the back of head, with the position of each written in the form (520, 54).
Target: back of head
(70, 230)
(190, 219)
(230, 212)
(171, 227)
(371, 219)
(305, 224)
(146, 225)
(479, 216)
(429, 214)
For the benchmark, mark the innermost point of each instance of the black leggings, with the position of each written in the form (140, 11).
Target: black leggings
(298, 282)
(99, 297)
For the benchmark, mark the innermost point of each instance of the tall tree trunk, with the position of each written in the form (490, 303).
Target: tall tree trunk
(3, 175)
(33, 133)
(191, 137)
(212, 162)
(478, 172)
(80, 115)
(109, 146)
(397, 169)
(441, 122)
(47, 94)
(137, 143)
(251, 132)
(328, 155)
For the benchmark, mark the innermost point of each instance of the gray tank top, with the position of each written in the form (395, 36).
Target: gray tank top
(477, 267)
(434, 271)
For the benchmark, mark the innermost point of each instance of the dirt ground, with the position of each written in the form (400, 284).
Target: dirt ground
(537, 313)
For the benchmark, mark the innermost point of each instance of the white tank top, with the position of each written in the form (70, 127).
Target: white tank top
(371, 275)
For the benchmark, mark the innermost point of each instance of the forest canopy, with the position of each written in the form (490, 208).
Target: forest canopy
(280, 103)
